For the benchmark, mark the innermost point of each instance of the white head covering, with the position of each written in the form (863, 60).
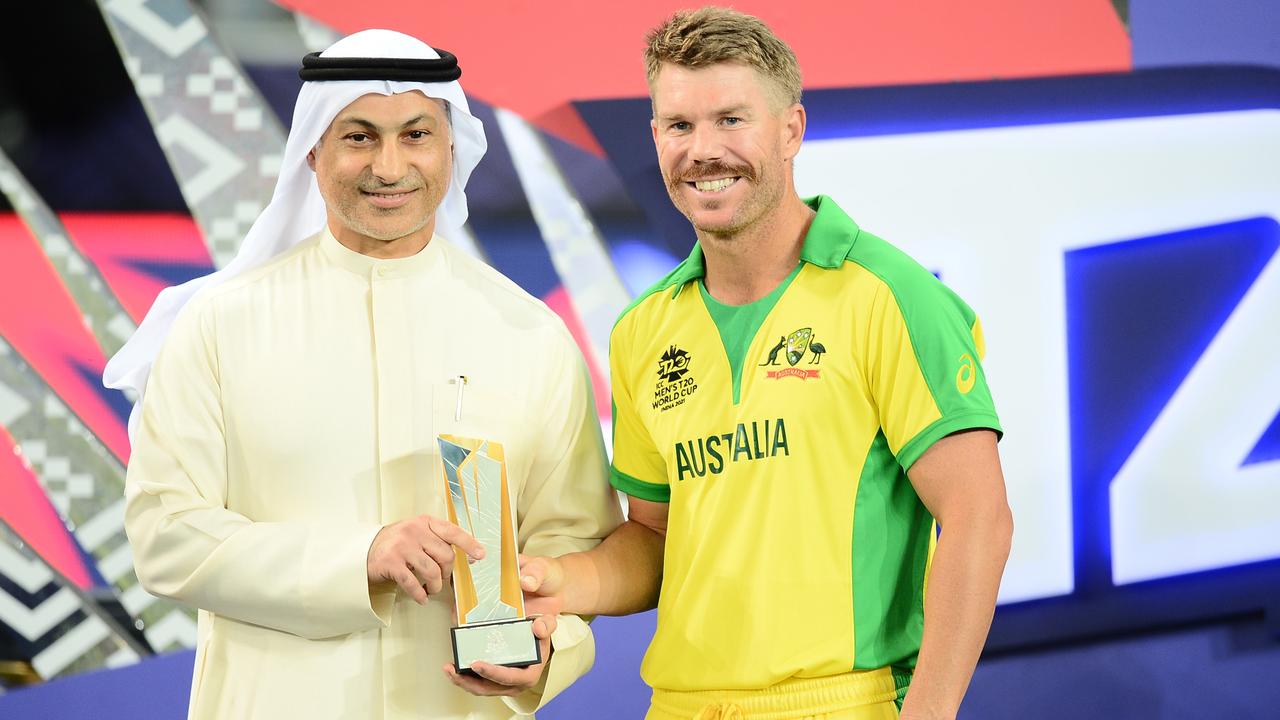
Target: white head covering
(297, 211)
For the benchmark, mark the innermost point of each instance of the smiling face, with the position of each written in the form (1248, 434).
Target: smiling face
(724, 144)
(383, 167)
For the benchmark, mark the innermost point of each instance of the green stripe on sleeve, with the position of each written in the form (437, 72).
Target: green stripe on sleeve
(653, 492)
(943, 427)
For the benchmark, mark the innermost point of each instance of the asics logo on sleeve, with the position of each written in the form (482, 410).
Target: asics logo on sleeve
(967, 375)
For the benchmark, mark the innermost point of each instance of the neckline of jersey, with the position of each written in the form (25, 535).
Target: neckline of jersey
(827, 244)
(738, 325)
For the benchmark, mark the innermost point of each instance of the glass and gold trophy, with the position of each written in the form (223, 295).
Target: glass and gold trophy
(492, 626)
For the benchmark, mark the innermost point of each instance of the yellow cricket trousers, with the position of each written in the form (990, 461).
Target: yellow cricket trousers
(866, 695)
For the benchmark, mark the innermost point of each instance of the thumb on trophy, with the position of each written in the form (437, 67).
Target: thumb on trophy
(541, 575)
(544, 626)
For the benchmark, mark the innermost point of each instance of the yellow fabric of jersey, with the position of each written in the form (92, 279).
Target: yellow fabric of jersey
(291, 414)
(796, 547)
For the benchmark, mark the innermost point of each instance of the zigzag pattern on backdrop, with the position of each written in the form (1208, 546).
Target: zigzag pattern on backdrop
(198, 99)
(58, 627)
(68, 593)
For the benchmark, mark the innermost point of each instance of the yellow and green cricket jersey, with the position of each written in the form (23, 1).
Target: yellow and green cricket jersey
(780, 432)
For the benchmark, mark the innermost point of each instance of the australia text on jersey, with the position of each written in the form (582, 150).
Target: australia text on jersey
(757, 441)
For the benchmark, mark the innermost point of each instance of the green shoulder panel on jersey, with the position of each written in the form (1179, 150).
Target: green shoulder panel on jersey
(945, 336)
(690, 268)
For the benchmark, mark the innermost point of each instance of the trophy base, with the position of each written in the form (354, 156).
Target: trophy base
(510, 643)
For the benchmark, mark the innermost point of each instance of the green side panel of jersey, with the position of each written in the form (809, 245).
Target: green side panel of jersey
(940, 326)
(891, 529)
(738, 324)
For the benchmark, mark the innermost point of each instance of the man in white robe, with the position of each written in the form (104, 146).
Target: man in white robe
(285, 476)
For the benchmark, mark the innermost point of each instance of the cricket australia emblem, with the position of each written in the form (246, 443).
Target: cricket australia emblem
(794, 348)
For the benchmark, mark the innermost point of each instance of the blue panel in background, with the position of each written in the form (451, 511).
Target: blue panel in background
(614, 689)
(1268, 447)
(116, 400)
(876, 111)
(898, 110)
(500, 217)
(641, 264)
(1183, 32)
(1217, 672)
(155, 689)
(616, 124)
(1140, 313)
(1204, 673)
(169, 272)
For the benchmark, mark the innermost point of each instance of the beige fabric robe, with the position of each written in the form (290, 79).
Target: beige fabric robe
(291, 414)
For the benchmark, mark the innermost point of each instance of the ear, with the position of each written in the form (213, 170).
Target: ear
(653, 125)
(793, 127)
(311, 159)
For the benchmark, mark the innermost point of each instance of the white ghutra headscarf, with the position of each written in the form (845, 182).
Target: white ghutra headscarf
(296, 211)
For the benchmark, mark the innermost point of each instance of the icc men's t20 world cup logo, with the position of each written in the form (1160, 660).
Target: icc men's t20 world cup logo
(675, 384)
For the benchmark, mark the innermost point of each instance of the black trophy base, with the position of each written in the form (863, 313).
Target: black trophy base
(510, 643)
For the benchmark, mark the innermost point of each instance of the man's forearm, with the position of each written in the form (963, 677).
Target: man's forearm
(619, 576)
(959, 604)
(257, 572)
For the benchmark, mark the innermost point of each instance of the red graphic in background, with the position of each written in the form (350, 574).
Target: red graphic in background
(43, 324)
(41, 321)
(28, 512)
(126, 246)
(534, 58)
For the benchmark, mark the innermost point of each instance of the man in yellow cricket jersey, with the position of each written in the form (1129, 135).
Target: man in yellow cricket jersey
(798, 407)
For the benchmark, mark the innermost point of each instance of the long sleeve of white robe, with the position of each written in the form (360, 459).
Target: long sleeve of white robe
(291, 414)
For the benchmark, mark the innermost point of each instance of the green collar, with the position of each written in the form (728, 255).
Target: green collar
(827, 244)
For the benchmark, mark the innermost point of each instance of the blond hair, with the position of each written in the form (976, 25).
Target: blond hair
(699, 38)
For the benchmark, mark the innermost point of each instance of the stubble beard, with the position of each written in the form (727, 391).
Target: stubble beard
(761, 196)
(364, 217)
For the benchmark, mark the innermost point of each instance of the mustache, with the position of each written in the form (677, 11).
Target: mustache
(393, 188)
(712, 170)
(371, 184)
